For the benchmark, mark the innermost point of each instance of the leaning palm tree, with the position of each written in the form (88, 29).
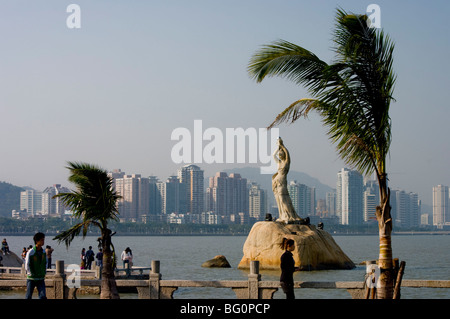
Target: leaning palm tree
(352, 95)
(94, 202)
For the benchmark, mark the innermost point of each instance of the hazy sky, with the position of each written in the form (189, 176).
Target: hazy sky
(113, 91)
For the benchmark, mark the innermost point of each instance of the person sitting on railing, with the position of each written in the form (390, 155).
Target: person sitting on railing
(5, 247)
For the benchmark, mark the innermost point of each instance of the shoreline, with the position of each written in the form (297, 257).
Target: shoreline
(400, 233)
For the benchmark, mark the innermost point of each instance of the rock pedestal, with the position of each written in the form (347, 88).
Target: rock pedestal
(315, 249)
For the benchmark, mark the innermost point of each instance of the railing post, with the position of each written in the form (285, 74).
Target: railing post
(253, 280)
(154, 279)
(59, 279)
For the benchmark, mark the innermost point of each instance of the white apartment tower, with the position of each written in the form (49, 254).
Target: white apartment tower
(441, 213)
(31, 201)
(53, 206)
(349, 197)
(257, 202)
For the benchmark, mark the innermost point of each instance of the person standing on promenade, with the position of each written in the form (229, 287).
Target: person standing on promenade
(35, 266)
(83, 258)
(24, 254)
(288, 268)
(126, 256)
(89, 257)
(48, 251)
(99, 257)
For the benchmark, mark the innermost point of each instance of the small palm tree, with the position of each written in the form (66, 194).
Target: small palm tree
(94, 202)
(352, 95)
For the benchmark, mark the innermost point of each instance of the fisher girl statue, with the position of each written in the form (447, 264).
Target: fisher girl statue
(286, 210)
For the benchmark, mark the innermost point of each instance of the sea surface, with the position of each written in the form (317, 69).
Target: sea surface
(426, 257)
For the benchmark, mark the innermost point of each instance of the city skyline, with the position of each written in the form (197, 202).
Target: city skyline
(112, 92)
(119, 173)
(232, 198)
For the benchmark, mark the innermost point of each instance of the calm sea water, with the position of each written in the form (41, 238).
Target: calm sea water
(426, 257)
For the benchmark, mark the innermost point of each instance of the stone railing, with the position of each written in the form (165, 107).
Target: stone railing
(156, 288)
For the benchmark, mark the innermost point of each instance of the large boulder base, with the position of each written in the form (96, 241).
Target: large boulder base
(315, 249)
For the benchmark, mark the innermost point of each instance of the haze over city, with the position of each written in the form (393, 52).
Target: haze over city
(113, 91)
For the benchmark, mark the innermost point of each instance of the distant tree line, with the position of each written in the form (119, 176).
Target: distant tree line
(56, 225)
(53, 226)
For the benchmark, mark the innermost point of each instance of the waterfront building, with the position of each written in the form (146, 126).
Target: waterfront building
(210, 218)
(53, 206)
(331, 203)
(405, 208)
(441, 213)
(172, 195)
(155, 201)
(192, 176)
(370, 205)
(227, 195)
(349, 197)
(425, 219)
(257, 202)
(116, 173)
(371, 199)
(31, 202)
(135, 195)
(321, 208)
(303, 199)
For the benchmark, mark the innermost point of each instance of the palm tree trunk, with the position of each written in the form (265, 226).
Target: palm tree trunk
(108, 286)
(385, 288)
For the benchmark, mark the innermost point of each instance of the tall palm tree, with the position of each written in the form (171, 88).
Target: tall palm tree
(352, 95)
(94, 202)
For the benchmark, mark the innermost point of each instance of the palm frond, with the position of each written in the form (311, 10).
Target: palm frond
(68, 235)
(288, 60)
(296, 110)
(352, 94)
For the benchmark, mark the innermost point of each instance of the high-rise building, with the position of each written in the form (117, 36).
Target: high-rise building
(405, 208)
(227, 195)
(135, 192)
(371, 199)
(349, 197)
(155, 201)
(31, 201)
(53, 206)
(239, 194)
(173, 196)
(331, 203)
(370, 205)
(217, 193)
(303, 199)
(192, 176)
(257, 202)
(441, 212)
